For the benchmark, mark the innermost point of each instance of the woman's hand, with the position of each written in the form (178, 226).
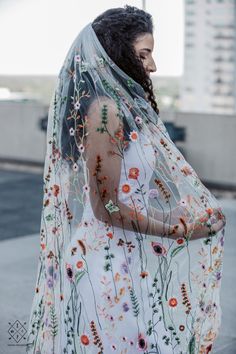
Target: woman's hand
(205, 226)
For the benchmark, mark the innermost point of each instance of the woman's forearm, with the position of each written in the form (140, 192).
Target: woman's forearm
(128, 219)
(164, 216)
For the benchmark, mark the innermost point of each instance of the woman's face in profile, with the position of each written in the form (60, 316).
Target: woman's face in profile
(143, 46)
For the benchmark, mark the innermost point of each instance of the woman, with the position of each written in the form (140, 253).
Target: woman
(131, 240)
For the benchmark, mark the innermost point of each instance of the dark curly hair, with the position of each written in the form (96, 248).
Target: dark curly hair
(117, 29)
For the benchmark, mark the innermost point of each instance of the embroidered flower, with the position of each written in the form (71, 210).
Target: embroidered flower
(81, 148)
(138, 120)
(133, 173)
(124, 268)
(173, 302)
(69, 272)
(55, 230)
(158, 249)
(153, 193)
(77, 105)
(55, 190)
(125, 307)
(126, 188)
(142, 343)
(209, 211)
(72, 131)
(110, 235)
(43, 246)
(86, 188)
(143, 274)
(133, 136)
(75, 167)
(186, 170)
(180, 241)
(84, 339)
(182, 202)
(77, 58)
(80, 265)
(50, 283)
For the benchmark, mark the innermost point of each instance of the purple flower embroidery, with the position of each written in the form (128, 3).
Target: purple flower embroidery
(50, 283)
(153, 193)
(125, 307)
(124, 268)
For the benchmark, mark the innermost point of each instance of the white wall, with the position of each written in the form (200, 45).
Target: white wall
(210, 145)
(20, 135)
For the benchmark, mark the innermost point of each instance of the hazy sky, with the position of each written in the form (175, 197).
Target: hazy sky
(36, 34)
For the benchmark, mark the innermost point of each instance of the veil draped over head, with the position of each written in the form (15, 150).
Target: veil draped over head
(81, 168)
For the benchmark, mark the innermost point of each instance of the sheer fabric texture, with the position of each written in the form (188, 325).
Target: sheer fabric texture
(105, 282)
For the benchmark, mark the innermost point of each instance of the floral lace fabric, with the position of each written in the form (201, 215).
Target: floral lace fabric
(102, 288)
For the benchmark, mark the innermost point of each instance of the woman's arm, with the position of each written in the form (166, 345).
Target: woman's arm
(104, 159)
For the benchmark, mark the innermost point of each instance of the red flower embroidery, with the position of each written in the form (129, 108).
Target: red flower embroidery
(110, 235)
(180, 241)
(133, 173)
(79, 264)
(55, 190)
(84, 339)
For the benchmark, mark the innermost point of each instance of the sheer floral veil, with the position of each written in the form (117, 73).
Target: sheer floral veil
(89, 78)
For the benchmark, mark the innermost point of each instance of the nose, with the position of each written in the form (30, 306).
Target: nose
(152, 66)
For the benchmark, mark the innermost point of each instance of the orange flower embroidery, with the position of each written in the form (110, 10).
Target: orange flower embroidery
(79, 264)
(126, 188)
(133, 135)
(84, 339)
(209, 211)
(133, 173)
(173, 302)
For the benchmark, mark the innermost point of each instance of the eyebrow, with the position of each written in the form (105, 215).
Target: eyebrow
(147, 49)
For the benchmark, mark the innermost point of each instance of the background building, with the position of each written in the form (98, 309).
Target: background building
(209, 79)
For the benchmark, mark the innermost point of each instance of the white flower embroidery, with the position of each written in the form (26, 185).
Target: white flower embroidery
(138, 120)
(72, 131)
(75, 167)
(77, 105)
(81, 148)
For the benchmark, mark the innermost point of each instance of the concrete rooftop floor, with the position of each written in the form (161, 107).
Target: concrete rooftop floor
(20, 209)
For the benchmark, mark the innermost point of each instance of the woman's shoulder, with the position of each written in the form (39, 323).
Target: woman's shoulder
(105, 109)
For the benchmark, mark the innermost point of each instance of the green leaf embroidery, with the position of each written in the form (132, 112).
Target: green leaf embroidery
(135, 304)
(111, 207)
(191, 345)
(79, 276)
(49, 217)
(176, 250)
(54, 322)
